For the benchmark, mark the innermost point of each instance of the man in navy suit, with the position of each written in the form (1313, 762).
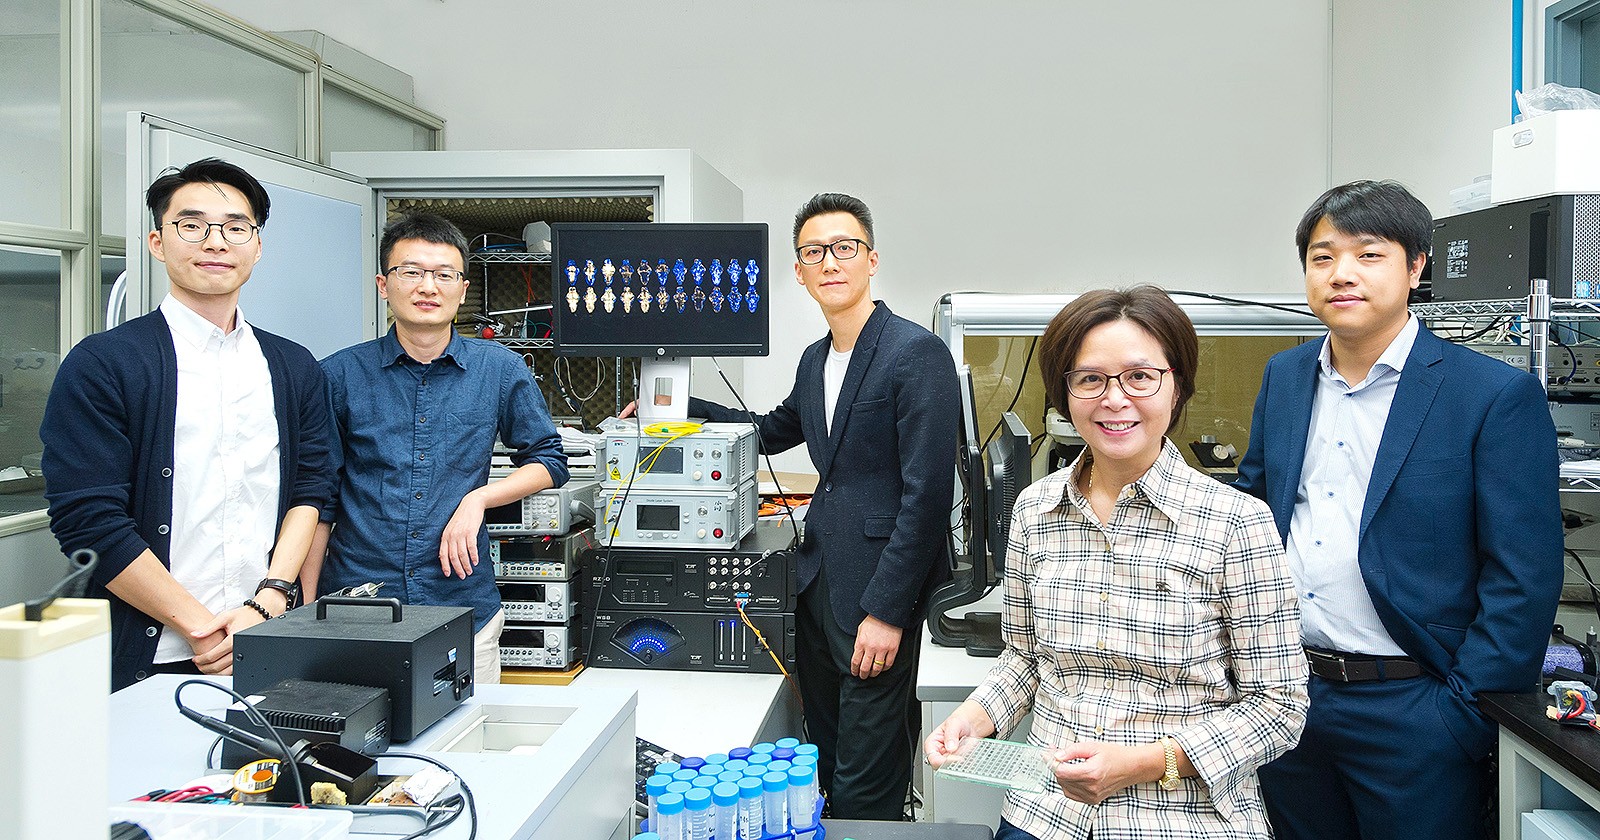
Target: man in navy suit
(876, 404)
(1415, 484)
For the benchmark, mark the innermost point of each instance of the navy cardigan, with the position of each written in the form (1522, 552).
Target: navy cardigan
(108, 456)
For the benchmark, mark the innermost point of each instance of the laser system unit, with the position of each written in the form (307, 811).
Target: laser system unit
(659, 518)
(719, 455)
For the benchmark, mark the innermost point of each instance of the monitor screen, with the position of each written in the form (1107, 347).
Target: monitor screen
(660, 290)
(1010, 470)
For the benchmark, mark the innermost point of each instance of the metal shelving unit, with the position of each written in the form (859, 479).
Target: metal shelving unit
(496, 257)
(1539, 309)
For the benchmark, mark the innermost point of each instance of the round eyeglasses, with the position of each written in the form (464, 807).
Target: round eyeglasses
(844, 249)
(234, 231)
(413, 275)
(1139, 382)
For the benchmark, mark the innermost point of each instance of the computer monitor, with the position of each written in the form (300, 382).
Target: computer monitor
(706, 285)
(990, 490)
(1010, 470)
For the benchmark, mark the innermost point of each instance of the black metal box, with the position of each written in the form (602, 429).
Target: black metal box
(422, 655)
(1491, 254)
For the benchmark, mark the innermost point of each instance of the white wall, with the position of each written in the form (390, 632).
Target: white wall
(1418, 89)
(1017, 145)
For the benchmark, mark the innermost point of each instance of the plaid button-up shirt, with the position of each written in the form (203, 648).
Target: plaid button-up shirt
(1175, 618)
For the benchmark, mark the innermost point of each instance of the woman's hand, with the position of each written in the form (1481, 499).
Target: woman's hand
(1091, 772)
(968, 720)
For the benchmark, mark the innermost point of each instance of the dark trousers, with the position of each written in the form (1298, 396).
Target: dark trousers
(865, 730)
(1382, 760)
(1010, 832)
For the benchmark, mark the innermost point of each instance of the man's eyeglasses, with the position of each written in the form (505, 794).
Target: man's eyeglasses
(1139, 382)
(412, 275)
(234, 231)
(844, 249)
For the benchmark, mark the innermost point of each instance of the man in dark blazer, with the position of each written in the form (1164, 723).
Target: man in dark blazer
(1415, 484)
(876, 404)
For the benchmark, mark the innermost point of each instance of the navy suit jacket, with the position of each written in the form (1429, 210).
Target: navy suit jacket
(886, 475)
(1460, 542)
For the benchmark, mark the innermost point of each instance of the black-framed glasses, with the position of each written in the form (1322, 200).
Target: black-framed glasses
(234, 231)
(1139, 382)
(413, 275)
(844, 249)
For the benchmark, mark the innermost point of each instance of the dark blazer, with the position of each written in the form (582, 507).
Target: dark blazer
(108, 454)
(1460, 542)
(886, 476)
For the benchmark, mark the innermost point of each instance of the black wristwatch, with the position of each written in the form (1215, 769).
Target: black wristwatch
(289, 588)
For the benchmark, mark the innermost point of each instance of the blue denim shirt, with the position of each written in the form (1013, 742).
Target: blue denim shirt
(413, 440)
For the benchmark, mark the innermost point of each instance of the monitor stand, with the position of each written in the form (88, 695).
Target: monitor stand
(663, 389)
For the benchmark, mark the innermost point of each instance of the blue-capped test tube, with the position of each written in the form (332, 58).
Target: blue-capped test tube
(775, 802)
(653, 788)
(697, 808)
(693, 762)
(669, 809)
(725, 800)
(763, 747)
(787, 743)
(750, 819)
(779, 766)
(648, 835)
(802, 796)
(739, 753)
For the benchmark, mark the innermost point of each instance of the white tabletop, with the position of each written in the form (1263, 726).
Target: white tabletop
(703, 712)
(152, 746)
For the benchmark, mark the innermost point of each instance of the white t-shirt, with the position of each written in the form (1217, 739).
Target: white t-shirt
(833, 380)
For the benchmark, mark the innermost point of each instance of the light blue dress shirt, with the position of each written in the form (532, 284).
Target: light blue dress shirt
(1347, 423)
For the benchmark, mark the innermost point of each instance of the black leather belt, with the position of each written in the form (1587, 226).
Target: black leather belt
(1360, 667)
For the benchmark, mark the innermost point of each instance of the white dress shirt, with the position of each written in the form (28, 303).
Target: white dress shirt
(225, 466)
(1347, 423)
(833, 381)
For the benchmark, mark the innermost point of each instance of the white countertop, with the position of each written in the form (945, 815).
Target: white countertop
(703, 712)
(152, 746)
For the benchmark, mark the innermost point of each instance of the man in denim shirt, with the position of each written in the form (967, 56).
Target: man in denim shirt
(416, 414)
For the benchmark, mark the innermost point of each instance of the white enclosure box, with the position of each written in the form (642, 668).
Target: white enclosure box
(1552, 153)
(55, 676)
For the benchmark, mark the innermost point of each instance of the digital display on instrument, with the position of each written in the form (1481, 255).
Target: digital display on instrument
(522, 638)
(657, 518)
(668, 461)
(640, 566)
(504, 515)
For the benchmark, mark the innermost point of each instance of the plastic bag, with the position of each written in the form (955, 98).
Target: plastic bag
(1553, 97)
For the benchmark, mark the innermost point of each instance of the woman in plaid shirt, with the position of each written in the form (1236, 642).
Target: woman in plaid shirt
(1150, 622)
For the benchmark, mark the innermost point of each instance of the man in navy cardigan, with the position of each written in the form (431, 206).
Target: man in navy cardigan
(876, 404)
(1415, 484)
(200, 506)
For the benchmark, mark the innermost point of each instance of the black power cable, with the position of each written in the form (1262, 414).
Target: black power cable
(1022, 383)
(255, 717)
